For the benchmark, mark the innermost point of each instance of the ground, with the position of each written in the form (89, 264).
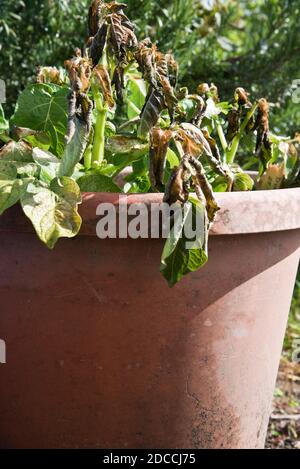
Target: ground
(284, 425)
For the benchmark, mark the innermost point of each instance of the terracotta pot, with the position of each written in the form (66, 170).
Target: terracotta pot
(102, 354)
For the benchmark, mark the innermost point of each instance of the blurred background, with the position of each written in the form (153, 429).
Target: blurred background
(253, 44)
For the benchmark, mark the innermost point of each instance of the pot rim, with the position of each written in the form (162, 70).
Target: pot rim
(241, 212)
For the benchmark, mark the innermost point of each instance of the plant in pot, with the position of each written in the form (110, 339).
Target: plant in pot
(116, 122)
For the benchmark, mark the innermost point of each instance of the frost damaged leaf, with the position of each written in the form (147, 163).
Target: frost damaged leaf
(122, 145)
(151, 112)
(177, 188)
(273, 178)
(103, 79)
(159, 142)
(263, 149)
(53, 209)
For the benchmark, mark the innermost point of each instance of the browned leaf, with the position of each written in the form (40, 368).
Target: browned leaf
(159, 141)
(103, 79)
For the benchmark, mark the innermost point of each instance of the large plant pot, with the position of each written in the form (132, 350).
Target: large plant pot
(102, 354)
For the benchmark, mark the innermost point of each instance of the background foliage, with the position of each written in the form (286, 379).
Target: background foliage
(255, 44)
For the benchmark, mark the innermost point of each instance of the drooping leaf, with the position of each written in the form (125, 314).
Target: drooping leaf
(43, 107)
(103, 79)
(53, 209)
(159, 142)
(273, 177)
(151, 111)
(177, 188)
(263, 147)
(182, 255)
(75, 149)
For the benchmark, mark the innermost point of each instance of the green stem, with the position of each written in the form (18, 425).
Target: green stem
(5, 138)
(99, 134)
(88, 157)
(231, 153)
(222, 137)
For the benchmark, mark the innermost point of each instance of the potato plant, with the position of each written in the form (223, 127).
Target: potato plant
(117, 106)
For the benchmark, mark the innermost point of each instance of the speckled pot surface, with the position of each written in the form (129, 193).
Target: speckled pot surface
(102, 354)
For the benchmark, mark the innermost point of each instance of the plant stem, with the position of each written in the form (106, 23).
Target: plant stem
(5, 138)
(231, 153)
(99, 135)
(88, 157)
(222, 137)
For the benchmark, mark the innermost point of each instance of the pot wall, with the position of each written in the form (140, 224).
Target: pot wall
(102, 354)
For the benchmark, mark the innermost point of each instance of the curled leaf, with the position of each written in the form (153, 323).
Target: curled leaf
(151, 111)
(263, 147)
(273, 177)
(177, 188)
(103, 79)
(159, 141)
(79, 70)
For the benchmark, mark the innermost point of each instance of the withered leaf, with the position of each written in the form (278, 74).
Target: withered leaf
(159, 141)
(102, 76)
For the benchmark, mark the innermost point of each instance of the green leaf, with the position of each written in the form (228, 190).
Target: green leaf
(137, 184)
(19, 156)
(53, 209)
(242, 182)
(11, 189)
(97, 183)
(47, 162)
(43, 107)
(23, 169)
(182, 255)
(137, 91)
